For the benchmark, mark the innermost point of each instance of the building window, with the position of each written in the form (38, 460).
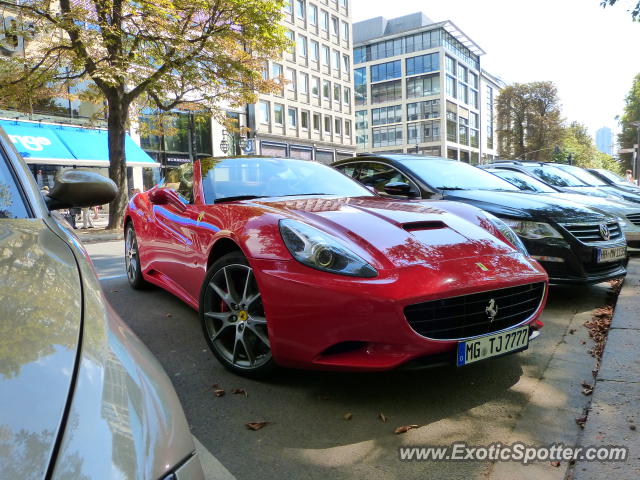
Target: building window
(385, 71)
(278, 114)
(263, 112)
(313, 14)
(423, 86)
(423, 64)
(276, 70)
(327, 124)
(387, 136)
(452, 115)
(293, 117)
(346, 92)
(362, 129)
(360, 55)
(347, 128)
(336, 61)
(287, 6)
(335, 24)
(291, 78)
(384, 115)
(473, 136)
(304, 83)
(304, 120)
(423, 132)
(386, 92)
(449, 65)
(345, 64)
(316, 122)
(324, 20)
(462, 73)
(422, 41)
(326, 89)
(451, 86)
(360, 80)
(473, 80)
(315, 51)
(337, 124)
(423, 110)
(326, 55)
(315, 86)
(336, 92)
(292, 39)
(300, 9)
(302, 46)
(345, 31)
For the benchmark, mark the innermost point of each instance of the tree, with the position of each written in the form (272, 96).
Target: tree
(635, 13)
(164, 53)
(628, 136)
(529, 121)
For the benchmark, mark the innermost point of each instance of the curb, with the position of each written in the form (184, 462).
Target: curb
(100, 236)
(614, 417)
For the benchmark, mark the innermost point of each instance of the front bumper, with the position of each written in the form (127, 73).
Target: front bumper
(324, 321)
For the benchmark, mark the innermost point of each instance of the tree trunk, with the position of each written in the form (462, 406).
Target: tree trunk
(118, 112)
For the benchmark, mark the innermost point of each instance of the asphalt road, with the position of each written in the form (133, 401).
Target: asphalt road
(533, 397)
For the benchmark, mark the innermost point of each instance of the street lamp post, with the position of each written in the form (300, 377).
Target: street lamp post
(636, 153)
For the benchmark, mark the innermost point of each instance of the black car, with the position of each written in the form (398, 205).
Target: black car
(614, 180)
(573, 243)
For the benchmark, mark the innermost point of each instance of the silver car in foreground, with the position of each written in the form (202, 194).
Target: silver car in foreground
(82, 397)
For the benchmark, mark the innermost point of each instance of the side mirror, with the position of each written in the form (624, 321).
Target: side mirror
(400, 189)
(165, 196)
(79, 188)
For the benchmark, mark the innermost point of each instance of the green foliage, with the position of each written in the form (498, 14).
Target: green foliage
(529, 121)
(635, 13)
(629, 132)
(577, 142)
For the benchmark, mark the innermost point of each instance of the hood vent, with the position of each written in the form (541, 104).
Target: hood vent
(415, 226)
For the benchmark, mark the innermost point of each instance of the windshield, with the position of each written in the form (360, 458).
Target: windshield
(453, 175)
(523, 181)
(251, 177)
(555, 176)
(613, 177)
(586, 177)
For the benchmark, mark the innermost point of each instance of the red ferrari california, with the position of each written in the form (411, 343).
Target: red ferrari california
(291, 263)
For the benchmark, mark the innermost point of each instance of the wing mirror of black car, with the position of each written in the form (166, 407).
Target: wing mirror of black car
(166, 196)
(80, 188)
(400, 189)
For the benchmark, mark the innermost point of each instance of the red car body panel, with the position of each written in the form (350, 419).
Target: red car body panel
(422, 251)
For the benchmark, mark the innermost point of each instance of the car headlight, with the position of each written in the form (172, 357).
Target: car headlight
(533, 230)
(508, 233)
(319, 250)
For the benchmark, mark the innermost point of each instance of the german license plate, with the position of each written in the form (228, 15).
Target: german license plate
(492, 345)
(611, 254)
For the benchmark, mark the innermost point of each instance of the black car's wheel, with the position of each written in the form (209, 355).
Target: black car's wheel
(233, 318)
(132, 259)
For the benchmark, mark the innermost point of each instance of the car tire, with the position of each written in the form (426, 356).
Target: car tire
(132, 259)
(232, 317)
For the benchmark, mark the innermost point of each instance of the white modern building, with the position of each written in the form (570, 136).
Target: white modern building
(419, 88)
(313, 116)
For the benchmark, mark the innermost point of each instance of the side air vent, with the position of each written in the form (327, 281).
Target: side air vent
(414, 226)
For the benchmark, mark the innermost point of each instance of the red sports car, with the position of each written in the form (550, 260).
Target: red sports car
(291, 263)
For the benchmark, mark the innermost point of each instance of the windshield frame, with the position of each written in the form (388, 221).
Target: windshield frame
(240, 169)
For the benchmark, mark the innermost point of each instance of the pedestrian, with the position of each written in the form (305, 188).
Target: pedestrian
(44, 191)
(86, 219)
(95, 212)
(629, 177)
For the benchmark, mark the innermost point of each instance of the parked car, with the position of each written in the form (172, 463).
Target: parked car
(81, 395)
(628, 214)
(552, 174)
(575, 244)
(615, 180)
(290, 263)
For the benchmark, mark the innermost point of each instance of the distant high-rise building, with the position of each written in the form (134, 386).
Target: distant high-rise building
(604, 140)
(419, 88)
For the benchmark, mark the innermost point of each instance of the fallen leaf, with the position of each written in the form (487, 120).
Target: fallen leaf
(239, 391)
(218, 392)
(632, 427)
(348, 416)
(581, 421)
(215, 385)
(555, 464)
(587, 388)
(382, 417)
(169, 315)
(404, 429)
(256, 425)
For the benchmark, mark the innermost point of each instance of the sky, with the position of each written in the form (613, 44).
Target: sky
(590, 53)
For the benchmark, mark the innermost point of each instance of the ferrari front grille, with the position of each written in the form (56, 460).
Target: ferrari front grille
(475, 314)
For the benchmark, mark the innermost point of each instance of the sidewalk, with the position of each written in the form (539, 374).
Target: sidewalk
(98, 233)
(614, 418)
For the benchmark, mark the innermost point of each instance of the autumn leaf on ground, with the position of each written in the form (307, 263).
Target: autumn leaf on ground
(404, 429)
(215, 385)
(239, 391)
(169, 315)
(218, 392)
(581, 421)
(348, 416)
(586, 388)
(382, 417)
(256, 425)
(555, 464)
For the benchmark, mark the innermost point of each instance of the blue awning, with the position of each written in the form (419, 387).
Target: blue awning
(65, 145)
